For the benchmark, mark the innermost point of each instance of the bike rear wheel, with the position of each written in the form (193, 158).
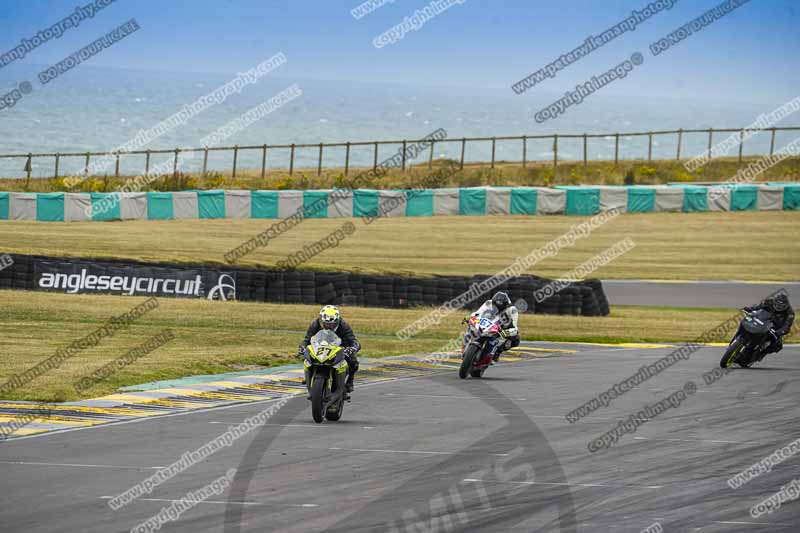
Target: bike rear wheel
(470, 352)
(317, 394)
(731, 353)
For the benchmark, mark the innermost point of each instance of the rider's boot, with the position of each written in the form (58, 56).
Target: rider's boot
(348, 386)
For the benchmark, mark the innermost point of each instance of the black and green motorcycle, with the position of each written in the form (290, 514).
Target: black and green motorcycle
(326, 369)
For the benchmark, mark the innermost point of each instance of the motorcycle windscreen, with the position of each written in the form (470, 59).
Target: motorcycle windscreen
(758, 323)
(325, 337)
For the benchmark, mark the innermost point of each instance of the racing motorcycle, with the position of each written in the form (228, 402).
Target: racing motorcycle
(751, 340)
(482, 334)
(326, 369)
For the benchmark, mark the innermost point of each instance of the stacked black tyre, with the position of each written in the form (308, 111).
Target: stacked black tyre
(584, 298)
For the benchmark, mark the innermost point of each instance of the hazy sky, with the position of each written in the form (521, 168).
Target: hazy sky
(749, 55)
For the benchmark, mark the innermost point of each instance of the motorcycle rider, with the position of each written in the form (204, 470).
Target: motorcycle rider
(500, 306)
(782, 319)
(330, 318)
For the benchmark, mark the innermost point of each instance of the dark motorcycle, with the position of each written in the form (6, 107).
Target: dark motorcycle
(751, 340)
(326, 369)
(482, 334)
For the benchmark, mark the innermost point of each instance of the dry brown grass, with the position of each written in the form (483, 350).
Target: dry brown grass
(741, 245)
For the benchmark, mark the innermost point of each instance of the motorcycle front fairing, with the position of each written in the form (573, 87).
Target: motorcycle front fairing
(483, 329)
(324, 354)
(758, 323)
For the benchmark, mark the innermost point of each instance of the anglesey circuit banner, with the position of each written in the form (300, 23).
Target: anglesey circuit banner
(92, 277)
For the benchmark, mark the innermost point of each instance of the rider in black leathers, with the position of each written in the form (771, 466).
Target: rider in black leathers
(782, 319)
(329, 319)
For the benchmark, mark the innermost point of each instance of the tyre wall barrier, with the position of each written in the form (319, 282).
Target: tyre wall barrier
(336, 203)
(126, 277)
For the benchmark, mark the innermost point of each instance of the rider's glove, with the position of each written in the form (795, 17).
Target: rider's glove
(465, 320)
(301, 351)
(510, 332)
(349, 352)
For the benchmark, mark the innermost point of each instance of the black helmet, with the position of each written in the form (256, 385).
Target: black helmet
(501, 300)
(781, 303)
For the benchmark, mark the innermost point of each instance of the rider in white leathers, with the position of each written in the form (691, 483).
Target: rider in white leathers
(500, 305)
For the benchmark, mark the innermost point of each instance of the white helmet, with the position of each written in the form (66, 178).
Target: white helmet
(329, 317)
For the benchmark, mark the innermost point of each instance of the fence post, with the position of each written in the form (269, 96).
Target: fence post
(555, 150)
(616, 149)
(741, 144)
(404, 155)
(263, 161)
(58, 156)
(585, 150)
(86, 165)
(347, 158)
(463, 149)
(710, 134)
(524, 150)
(291, 160)
(772, 142)
(28, 169)
(175, 163)
(116, 167)
(235, 159)
(205, 160)
(680, 137)
(319, 161)
(494, 142)
(375, 159)
(649, 146)
(430, 155)
(147, 163)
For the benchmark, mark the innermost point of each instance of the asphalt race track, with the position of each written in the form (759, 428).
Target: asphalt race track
(443, 454)
(732, 294)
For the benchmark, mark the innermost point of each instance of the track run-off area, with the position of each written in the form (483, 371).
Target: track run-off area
(420, 450)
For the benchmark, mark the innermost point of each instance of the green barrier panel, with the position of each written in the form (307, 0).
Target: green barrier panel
(695, 199)
(791, 197)
(264, 204)
(159, 206)
(315, 204)
(641, 200)
(365, 203)
(105, 206)
(523, 201)
(583, 201)
(3, 206)
(50, 207)
(472, 201)
(419, 203)
(211, 204)
(744, 198)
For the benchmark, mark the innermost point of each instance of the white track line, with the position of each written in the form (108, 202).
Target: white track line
(309, 426)
(455, 397)
(755, 523)
(409, 451)
(565, 484)
(31, 463)
(219, 502)
(691, 440)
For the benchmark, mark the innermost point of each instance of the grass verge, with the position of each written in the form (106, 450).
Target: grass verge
(688, 246)
(216, 337)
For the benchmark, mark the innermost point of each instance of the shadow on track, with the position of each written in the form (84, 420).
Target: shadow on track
(460, 493)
